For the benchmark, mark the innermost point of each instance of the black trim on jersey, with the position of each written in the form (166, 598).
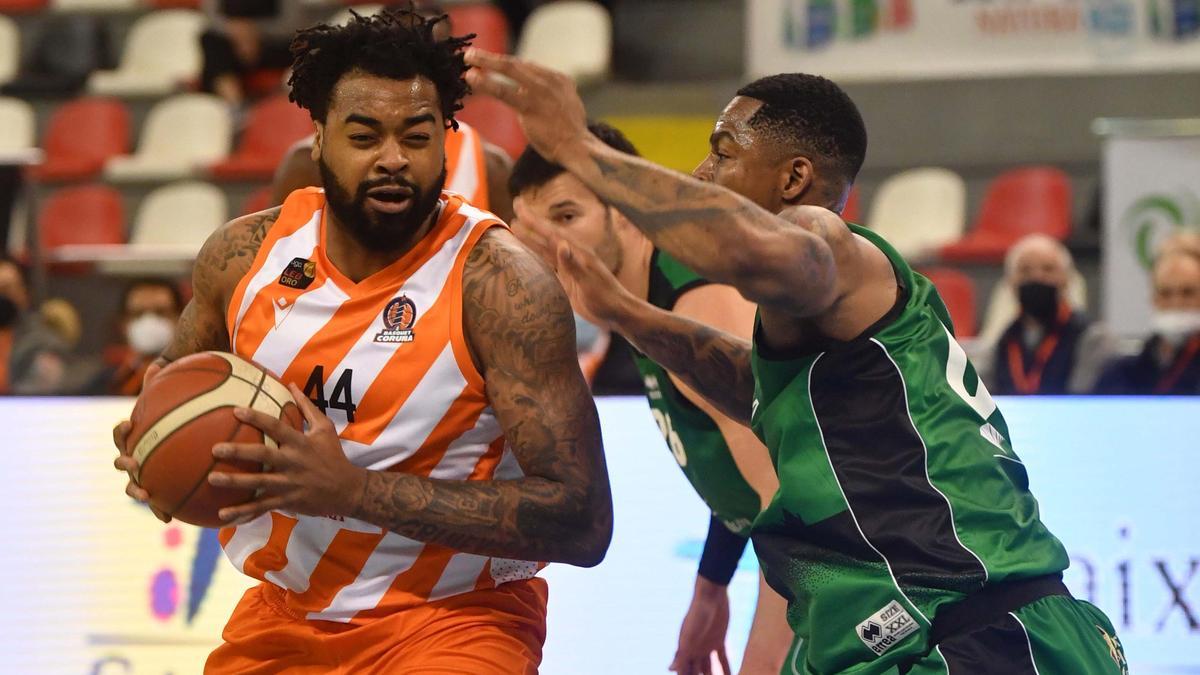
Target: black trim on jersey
(660, 284)
(879, 459)
(1000, 648)
(822, 343)
(834, 541)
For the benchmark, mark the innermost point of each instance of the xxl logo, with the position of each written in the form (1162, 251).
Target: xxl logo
(886, 628)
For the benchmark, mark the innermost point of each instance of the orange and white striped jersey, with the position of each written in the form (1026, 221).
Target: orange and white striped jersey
(466, 165)
(387, 360)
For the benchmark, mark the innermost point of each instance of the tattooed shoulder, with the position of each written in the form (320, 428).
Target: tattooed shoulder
(514, 309)
(227, 254)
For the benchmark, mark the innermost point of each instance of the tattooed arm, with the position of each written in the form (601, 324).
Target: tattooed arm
(721, 235)
(522, 335)
(222, 262)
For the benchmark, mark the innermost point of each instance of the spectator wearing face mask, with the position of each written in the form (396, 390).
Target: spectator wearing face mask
(1168, 362)
(1050, 347)
(149, 310)
(34, 357)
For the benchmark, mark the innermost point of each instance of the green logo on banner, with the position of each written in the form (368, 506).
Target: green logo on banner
(1155, 217)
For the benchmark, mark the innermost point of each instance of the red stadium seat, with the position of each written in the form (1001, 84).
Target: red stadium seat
(496, 122)
(81, 136)
(82, 214)
(851, 212)
(275, 124)
(958, 292)
(259, 200)
(263, 82)
(21, 6)
(1018, 202)
(485, 20)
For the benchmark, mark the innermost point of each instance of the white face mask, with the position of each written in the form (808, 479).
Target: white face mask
(1175, 325)
(149, 334)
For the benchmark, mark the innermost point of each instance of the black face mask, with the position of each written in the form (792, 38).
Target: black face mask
(8, 311)
(1039, 300)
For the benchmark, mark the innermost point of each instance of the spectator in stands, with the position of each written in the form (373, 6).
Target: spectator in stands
(33, 356)
(246, 35)
(1167, 363)
(150, 309)
(1049, 348)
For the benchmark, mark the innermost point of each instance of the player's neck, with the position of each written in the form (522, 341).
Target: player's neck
(358, 261)
(634, 275)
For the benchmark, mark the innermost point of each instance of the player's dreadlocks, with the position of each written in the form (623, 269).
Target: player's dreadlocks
(396, 43)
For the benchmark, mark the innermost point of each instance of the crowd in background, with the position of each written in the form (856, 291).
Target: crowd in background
(1050, 347)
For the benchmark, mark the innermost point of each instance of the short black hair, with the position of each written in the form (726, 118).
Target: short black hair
(395, 43)
(810, 114)
(532, 171)
(153, 282)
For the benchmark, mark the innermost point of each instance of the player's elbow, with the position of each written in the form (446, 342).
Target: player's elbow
(590, 535)
(599, 538)
(592, 539)
(794, 274)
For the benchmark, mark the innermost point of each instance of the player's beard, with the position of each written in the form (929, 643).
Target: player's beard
(372, 229)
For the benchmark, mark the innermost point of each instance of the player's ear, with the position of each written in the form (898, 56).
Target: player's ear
(318, 139)
(796, 179)
(621, 224)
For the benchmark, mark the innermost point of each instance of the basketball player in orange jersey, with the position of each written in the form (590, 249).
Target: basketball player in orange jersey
(451, 448)
(475, 168)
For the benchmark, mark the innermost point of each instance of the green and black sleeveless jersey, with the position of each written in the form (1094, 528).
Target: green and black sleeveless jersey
(899, 489)
(691, 434)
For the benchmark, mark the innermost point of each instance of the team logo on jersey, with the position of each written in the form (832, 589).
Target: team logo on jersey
(1115, 650)
(299, 273)
(398, 319)
(884, 629)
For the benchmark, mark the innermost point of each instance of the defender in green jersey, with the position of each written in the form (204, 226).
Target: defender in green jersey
(725, 463)
(903, 534)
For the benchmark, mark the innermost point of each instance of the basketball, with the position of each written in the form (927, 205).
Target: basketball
(187, 409)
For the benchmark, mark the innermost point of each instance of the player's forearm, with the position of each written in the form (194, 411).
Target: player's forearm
(531, 518)
(721, 235)
(713, 363)
(770, 635)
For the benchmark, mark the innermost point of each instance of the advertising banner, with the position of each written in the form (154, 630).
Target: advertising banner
(92, 584)
(1151, 178)
(906, 39)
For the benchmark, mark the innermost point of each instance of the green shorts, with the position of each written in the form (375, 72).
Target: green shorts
(1055, 635)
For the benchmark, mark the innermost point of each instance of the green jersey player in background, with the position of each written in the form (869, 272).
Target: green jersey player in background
(903, 534)
(725, 463)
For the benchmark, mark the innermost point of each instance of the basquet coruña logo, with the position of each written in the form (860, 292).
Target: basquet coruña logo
(398, 319)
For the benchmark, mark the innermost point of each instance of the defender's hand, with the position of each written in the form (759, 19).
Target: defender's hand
(546, 102)
(308, 471)
(703, 631)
